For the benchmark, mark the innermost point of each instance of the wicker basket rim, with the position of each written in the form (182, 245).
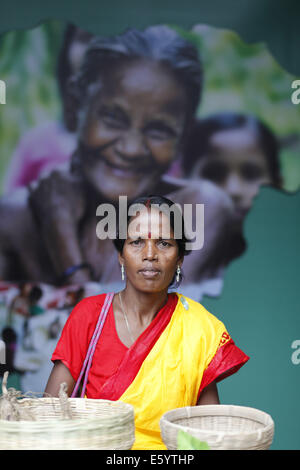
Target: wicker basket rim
(165, 419)
(124, 412)
(60, 421)
(220, 410)
(55, 427)
(78, 400)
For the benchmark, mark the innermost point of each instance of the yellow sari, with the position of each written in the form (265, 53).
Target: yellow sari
(193, 350)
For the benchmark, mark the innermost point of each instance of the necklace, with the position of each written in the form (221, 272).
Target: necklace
(126, 319)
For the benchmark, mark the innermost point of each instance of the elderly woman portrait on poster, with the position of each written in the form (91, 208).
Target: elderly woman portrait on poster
(134, 98)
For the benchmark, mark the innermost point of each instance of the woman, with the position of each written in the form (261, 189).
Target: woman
(157, 350)
(133, 100)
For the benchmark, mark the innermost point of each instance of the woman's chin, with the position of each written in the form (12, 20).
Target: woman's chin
(239, 217)
(113, 193)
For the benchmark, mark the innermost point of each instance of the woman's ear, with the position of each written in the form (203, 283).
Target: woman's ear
(121, 259)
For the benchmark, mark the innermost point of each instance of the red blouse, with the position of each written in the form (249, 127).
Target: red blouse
(110, 351)
(79, 328)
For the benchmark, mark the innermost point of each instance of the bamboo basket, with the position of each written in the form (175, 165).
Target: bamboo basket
(222, 427)
(64, 423)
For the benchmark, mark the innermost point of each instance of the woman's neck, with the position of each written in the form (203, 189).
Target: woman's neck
(142, 307)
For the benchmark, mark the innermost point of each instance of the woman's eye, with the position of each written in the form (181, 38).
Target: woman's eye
(157, 135)
(215, 171)
(113, 118)
(160, 132)
(136, 242)
(251, 172)
(164, 243)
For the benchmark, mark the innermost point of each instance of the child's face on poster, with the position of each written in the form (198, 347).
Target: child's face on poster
(236, 163)
(133, 126)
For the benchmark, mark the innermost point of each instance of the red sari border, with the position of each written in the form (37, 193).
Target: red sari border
(227, 360)
(118, 383)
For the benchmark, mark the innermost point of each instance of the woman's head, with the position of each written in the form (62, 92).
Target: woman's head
(155, 245)
(35, 294)
(237, 152)
(136, 94)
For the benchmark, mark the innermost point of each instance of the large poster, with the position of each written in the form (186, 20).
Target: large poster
(197, 115)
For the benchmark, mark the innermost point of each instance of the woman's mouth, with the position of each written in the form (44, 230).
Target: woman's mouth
(149, 273)
(120, 167)
(240, 213)
(124, 171)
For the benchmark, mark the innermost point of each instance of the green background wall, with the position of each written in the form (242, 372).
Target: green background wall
(260, 301)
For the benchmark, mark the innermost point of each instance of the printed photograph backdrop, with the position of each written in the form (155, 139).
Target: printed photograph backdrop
(244, 134)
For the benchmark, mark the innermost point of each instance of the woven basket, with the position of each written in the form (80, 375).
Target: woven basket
(223, 427)
(67, 424)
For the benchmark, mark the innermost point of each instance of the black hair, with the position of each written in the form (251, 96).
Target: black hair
(159, 43)
(63, 68)
(203, 129)
(160, 201)
(35, 294)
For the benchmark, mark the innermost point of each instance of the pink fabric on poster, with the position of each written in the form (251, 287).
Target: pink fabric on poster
(41, 149)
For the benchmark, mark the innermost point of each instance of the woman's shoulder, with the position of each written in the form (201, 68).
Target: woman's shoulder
(91, 301)
(197, 313)
(88, 308)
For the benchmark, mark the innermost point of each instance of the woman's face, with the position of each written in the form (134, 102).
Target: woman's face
(132, 128)
(150, 253)
(236, 163)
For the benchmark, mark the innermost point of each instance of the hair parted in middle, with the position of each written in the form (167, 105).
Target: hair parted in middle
(158, 43)
(158, 202)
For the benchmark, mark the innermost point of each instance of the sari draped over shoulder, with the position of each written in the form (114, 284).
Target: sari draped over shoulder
(184, 349)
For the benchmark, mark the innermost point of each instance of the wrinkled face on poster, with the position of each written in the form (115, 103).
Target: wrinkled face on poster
(133, 119)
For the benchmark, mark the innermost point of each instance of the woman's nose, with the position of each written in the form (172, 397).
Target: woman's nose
(234, 187)
(150, 251)
(132, 145)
